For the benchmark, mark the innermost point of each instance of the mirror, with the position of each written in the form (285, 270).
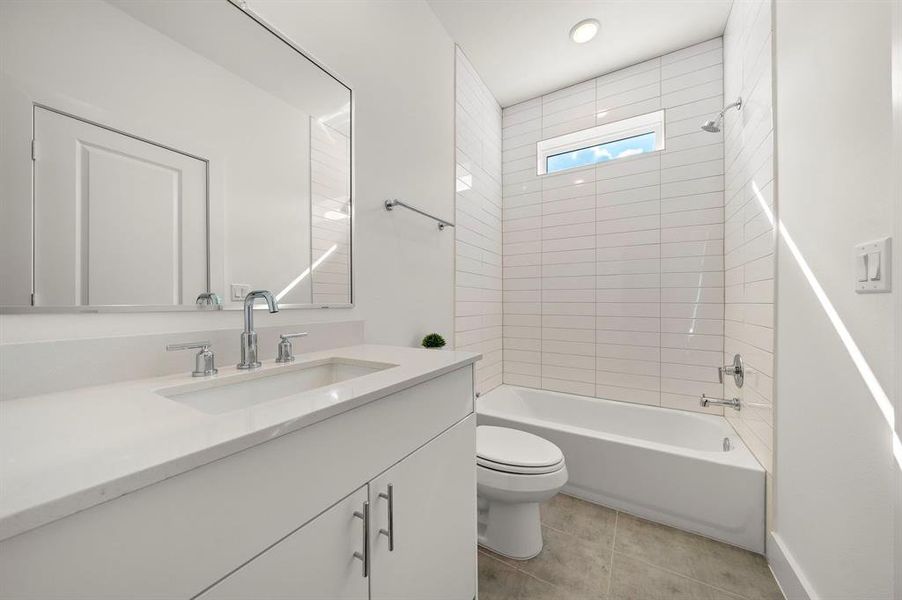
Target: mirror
(161, 155)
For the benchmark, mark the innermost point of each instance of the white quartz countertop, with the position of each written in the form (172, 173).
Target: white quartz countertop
(64, 452)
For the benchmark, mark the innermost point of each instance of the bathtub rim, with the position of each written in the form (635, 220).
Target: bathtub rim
(739, 457)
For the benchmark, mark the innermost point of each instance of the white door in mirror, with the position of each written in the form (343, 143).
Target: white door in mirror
(873, 266)
(117, 220)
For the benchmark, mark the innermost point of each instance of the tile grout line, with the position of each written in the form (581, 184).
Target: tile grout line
(514, 564)
(684, 576)
(661, 265)
(594, 210)
(613, 545)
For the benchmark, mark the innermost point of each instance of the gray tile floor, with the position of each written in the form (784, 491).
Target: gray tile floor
(593, 552)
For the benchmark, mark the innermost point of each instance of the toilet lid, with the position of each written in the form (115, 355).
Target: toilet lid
(515, 451)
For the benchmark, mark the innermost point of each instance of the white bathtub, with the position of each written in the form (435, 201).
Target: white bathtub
(664, 465)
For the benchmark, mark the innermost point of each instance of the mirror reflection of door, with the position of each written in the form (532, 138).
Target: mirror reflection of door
(118, 220)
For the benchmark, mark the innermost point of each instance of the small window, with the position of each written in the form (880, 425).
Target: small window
(620, 139)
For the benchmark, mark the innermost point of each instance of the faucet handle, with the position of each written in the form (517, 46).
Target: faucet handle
(285, 355)
(204, 361)
(209, 299)
(736, 369)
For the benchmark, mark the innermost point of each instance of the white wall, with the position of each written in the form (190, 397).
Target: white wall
(399, 62)
(834, 469)
(749, 244)
(613, 274)
(897, 267)
(478, 218)
(256, 142)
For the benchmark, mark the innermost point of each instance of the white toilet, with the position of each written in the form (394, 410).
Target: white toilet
(515, 471)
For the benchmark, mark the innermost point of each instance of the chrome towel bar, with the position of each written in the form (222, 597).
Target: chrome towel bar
(390, 204)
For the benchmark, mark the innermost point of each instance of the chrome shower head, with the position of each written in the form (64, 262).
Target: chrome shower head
(713, 126)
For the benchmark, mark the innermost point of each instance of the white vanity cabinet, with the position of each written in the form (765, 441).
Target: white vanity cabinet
(419, 537)
(431, 492)
(277, 520)
(312, 563)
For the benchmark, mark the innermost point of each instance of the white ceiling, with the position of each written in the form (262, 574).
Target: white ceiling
(522, 48)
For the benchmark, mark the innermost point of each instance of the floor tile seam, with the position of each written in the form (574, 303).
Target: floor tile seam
(514, 564)
(539, 579)
(567, 533)
(683, 575)
(613, 545)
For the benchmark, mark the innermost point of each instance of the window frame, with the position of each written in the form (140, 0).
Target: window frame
(605, 133)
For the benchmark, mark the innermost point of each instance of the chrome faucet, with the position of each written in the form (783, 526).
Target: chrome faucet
(249, 337)
(733, 403)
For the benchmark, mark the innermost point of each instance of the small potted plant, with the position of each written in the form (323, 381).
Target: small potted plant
(433, 340)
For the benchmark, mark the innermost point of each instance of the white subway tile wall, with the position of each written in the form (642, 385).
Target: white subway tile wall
(330, 189)
(614, 274)
(478, 224)
(749, 232)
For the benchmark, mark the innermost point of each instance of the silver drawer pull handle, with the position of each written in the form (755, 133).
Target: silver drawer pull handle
(364, 556)
(390, 533)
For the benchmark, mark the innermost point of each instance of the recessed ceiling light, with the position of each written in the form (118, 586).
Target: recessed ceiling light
(584, 31)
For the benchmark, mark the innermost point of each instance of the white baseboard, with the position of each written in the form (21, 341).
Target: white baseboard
(786, 571)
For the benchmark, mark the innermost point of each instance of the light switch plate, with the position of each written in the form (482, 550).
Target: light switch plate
(240, 290)
(861, 268)
(877, 253)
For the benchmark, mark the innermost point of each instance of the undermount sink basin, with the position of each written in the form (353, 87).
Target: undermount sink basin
(249, 389)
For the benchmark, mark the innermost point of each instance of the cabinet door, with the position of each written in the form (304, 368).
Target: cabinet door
(433, 521)
(317, 561)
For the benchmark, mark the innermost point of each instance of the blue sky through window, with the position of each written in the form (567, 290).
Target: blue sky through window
(601, 152)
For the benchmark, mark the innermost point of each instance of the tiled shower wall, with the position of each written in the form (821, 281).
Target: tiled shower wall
(478, 223)
(613, 274)
(330, 192)
(749, 232)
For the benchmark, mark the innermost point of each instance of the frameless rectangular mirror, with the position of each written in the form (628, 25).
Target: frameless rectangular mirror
(160, 155)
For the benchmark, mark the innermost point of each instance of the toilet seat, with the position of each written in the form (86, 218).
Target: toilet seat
(513, 451)
(517, 469)
(515, 472)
